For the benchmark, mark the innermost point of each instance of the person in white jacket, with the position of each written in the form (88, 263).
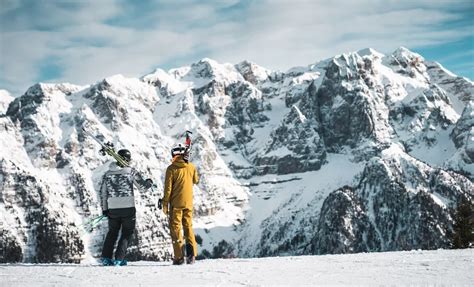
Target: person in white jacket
(117, 192)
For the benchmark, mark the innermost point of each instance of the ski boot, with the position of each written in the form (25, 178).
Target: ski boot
(190, 260)
(122, 262)
(179, 261)
(106, 261)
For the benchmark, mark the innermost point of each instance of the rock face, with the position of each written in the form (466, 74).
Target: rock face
(40, 224)
(463, 134)
(361, 152)
(389, 209)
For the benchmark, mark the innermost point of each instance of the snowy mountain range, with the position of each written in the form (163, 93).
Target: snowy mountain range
(357, 153)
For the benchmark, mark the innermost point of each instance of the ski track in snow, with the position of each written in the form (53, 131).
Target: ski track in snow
(439, 267)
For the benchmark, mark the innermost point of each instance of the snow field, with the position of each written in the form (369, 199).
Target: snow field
(438, 267)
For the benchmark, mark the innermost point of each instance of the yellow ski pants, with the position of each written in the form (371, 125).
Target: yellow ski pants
(182, 217)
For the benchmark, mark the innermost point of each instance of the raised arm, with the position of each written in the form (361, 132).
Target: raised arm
(140, 180)
(195, 176)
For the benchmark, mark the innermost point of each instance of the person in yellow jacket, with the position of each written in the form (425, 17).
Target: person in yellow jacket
(178, 205)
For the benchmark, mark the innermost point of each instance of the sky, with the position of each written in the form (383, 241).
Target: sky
(84, 41)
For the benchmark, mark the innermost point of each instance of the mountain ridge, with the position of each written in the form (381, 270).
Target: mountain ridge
(269, 146)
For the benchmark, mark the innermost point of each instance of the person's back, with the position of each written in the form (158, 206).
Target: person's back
(180, 177)
(117, 188)
(117, 193)
(178, 204)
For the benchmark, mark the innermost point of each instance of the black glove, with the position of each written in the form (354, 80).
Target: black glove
(105, 213)
(148, 183)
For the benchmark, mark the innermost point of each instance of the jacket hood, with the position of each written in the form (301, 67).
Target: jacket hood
(113, 166)
(180, 163)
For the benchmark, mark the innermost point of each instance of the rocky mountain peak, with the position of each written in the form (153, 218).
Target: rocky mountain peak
(252, 72)
(210, 69)
(408, 62)
(370, 53)
(406, 57)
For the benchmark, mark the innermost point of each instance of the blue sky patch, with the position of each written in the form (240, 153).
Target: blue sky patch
(49, 69)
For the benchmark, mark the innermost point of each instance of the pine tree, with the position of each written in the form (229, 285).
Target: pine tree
(463, 227)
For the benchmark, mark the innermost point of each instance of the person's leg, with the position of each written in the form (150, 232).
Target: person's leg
(128, 227)
(191, 246)
(176, 215)
(111, 237)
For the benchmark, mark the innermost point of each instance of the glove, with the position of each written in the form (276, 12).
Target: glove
(105, 213)
(148, 183)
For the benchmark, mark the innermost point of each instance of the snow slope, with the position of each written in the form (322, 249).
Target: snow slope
(439, 267)
(5, 99)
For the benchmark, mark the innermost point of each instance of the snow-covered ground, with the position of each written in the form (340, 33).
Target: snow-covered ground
(439, 267)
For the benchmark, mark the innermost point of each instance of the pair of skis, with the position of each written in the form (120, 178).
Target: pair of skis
(187, 145)
(108, 148)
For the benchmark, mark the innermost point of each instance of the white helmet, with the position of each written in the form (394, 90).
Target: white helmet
(178, 150)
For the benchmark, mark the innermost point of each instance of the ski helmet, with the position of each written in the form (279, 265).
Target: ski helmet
(125, 154)
(178, 150)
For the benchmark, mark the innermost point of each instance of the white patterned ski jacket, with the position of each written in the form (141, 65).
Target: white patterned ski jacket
(117, 189)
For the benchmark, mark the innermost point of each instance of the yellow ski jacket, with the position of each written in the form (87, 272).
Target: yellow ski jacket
(179, 179)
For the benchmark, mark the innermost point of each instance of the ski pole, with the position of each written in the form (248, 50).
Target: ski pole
(91, 220)
(90, 224)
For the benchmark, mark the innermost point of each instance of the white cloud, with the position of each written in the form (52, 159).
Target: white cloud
(314, 31)
(132, 54)
(274, 34)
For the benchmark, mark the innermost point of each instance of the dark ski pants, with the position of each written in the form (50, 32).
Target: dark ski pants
(127, 224)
